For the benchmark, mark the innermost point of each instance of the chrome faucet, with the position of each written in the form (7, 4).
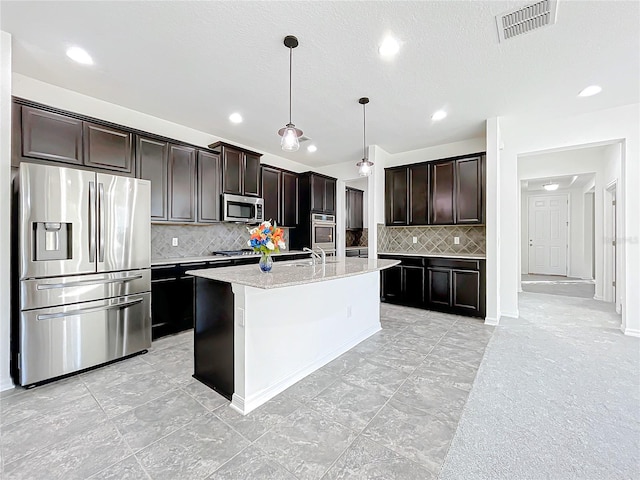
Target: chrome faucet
(322, 256)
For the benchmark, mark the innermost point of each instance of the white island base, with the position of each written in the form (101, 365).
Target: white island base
(282, 335)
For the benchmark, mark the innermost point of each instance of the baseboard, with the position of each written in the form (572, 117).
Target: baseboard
(514, 315)
(6, 384)
(600, 298)
(491, 321)
(632, 332)
(246, 405)
(586, 278)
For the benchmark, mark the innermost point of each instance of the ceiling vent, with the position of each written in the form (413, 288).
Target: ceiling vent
(523, 20)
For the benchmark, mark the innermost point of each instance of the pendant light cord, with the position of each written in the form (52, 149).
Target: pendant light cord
(364, 131)
(290, 76)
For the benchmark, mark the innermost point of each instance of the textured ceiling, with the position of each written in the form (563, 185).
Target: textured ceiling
(194, 63)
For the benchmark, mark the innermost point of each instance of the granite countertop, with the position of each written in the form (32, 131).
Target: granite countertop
(464, 256)
(295, 272)
(216, 258)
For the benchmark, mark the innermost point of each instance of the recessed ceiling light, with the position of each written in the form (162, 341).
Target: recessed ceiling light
(235, 118)
(550, 187)
(389, 47)
(439, 115)
(312, 148)
(590, 91)
(79, 55)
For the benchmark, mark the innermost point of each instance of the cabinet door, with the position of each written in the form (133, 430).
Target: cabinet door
(208, 187)
(413, 284)
(358, 216)
(469, 190)
(182, 183)
(329, 196)
(395, 189)
(442, 193)
(391, 288)
(271, 182)
(419, 195)
(171, 306)
(439, 286)
(251, 175)
(466, 290)
(151, 164)
(289, 208)
(232, 166)
(107, 148)
(50, 136)
(318, 193)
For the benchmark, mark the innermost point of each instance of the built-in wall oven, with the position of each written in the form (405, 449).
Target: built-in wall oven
(323, 232)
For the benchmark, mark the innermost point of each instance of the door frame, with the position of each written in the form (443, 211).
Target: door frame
(610, 254)
(568, 249)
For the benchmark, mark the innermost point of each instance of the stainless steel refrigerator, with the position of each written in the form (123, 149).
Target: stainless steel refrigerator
(84, 248)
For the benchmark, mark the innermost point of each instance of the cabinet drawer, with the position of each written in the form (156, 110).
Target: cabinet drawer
(451, 263)
(164, 271)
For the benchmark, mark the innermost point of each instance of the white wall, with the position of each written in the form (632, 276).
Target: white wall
(528, 135)
(5, 208)
(31, 89)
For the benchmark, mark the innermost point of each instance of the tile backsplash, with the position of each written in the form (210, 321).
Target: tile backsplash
(357, 238)
(198, 240)
(432, 239)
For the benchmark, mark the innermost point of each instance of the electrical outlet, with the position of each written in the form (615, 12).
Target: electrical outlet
(174, 242)
(456, 240)
(415, 239)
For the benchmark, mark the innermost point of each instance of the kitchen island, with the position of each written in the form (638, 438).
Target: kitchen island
(257, 334)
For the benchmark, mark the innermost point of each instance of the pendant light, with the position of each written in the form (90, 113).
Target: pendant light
(364, 165)
(290, 134)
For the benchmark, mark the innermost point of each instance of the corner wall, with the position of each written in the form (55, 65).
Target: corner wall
(5, 209)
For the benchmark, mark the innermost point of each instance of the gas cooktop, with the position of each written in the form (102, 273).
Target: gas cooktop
(235, 253)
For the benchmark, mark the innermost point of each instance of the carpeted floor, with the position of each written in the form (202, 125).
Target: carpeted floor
(557, 397)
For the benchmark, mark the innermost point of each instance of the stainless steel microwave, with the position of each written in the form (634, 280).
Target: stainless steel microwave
(236, 208)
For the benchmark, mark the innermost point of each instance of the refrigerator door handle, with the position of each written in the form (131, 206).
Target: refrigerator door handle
(49, 316)
(49, 286)
(101, 226)
(92, 222)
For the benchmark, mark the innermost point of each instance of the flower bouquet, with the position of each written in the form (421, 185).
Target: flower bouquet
(266, 239)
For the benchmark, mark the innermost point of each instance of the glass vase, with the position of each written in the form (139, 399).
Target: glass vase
(266, 263)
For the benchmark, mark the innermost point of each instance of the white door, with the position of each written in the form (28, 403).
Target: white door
(548, 234)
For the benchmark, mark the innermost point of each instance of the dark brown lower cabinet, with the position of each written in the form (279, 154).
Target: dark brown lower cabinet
(436, 283)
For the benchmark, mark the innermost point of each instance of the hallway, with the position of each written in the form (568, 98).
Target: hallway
(556, 396)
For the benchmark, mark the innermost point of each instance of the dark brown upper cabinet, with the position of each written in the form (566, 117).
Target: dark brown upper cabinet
(182, 183)
(396, 196)
(323, 193)
(289, 210)
(272, 193)
(442, 201)
(46, 136)
(152, 164)
(355, 214)
(469, 191)
(240, 170)
(108, 148)
(280, 194)
(448, 192)
(418, 194)
(208, 187)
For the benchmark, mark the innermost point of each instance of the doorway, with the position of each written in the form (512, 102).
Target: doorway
(548, 234)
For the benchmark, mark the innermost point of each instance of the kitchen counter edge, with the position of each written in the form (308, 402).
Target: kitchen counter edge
(215, 258)
(436, 255)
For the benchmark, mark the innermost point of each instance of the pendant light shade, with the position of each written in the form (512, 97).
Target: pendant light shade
(364, 165)
(290, 134)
